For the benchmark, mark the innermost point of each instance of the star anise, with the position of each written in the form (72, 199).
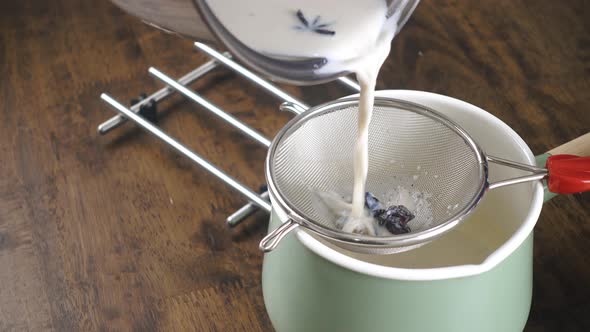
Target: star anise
(314, 26)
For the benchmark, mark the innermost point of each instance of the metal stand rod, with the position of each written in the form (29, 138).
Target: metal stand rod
(210, 107)
(245, 211)
(350, 83)
(291, 104)
(161, 94)
(249, 75)
(260, 81)
(156, 132)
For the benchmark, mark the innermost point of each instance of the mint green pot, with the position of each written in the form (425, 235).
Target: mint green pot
(477, 278)
(304, 292)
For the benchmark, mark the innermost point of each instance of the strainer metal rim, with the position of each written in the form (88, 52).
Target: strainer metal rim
(294, 214)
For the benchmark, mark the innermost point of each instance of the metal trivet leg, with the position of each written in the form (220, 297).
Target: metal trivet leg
(147, 105)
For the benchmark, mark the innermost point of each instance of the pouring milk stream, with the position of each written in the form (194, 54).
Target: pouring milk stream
(352, 35)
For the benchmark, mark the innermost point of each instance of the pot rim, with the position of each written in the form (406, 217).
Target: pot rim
(447, 272)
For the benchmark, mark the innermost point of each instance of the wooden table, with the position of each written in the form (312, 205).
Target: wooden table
(119, 233)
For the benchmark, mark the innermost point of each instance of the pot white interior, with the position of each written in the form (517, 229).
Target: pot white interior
(504, 219)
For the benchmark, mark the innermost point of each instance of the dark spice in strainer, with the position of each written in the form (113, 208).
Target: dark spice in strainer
(373, 204)
(395, 218)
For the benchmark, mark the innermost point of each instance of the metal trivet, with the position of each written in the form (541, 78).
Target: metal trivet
(143, 113)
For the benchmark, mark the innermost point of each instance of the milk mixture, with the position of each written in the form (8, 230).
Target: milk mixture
(351, 35)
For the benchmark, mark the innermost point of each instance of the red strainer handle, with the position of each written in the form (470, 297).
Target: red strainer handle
(568, 174)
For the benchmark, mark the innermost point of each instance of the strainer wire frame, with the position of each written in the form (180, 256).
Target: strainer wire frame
(295, 216)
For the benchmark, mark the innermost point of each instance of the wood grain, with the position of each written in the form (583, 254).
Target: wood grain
(118, 233)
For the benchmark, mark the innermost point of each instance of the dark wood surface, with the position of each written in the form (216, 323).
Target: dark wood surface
(119, 233)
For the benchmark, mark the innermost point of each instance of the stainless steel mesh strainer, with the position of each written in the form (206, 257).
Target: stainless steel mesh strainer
(313, 153)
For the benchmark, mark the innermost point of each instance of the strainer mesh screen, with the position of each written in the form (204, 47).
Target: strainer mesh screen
(405, 148)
